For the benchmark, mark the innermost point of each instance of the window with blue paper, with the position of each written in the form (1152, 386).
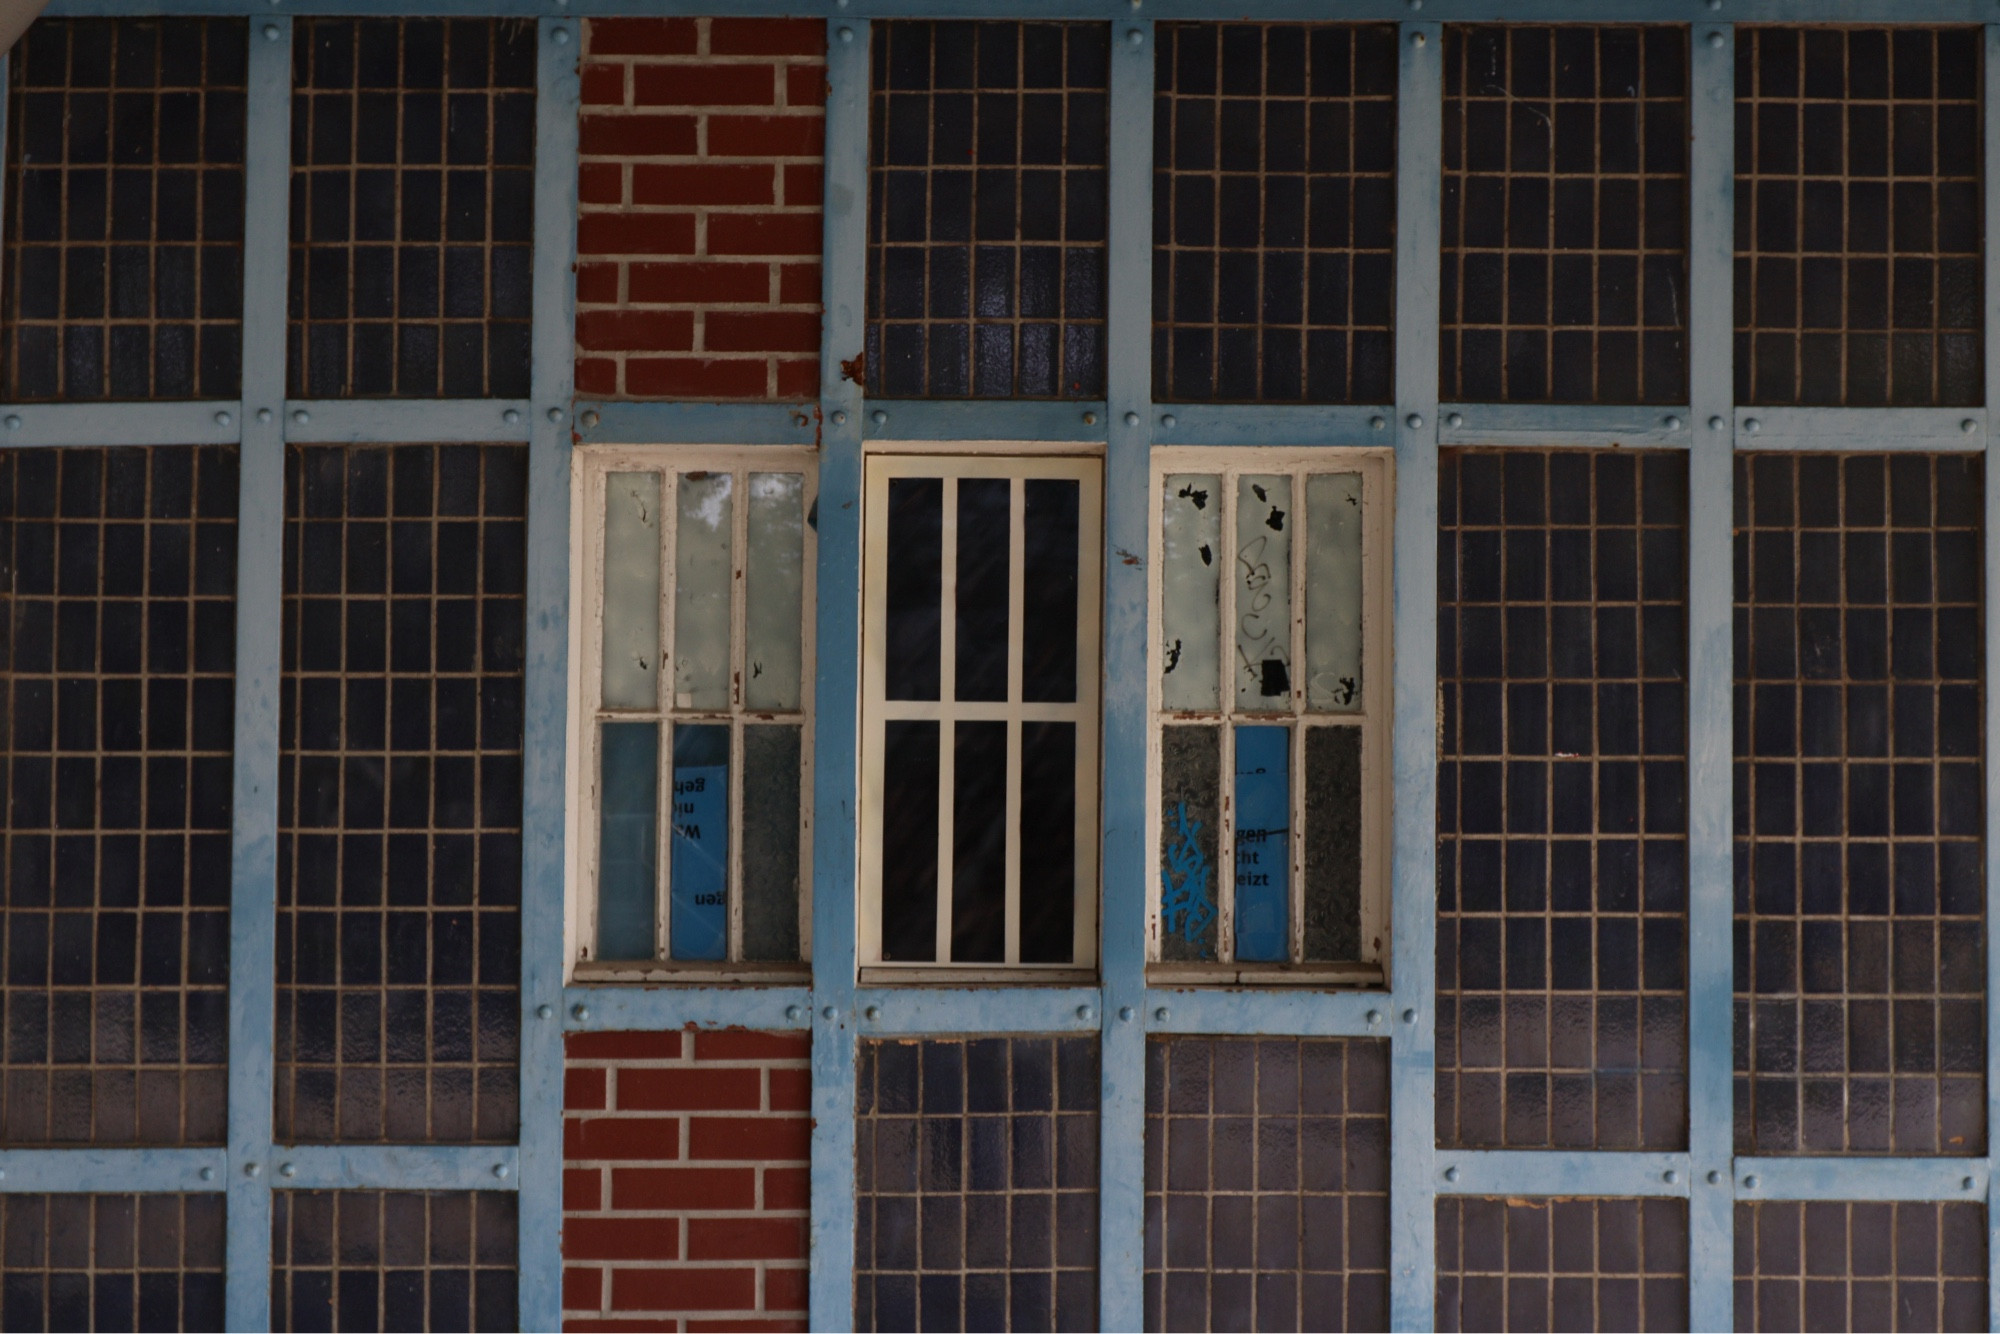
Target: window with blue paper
(696, 652)
(1270, 611)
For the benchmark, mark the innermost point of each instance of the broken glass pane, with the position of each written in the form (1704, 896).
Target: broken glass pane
(1190, 792)
(701, 590)
(1190, 591)
(1333, 591)
(631, 590)
(1263, 576)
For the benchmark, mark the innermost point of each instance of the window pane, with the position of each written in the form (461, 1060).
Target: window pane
(1333, 591)
(1274, 213)
(914, 579)
(774, 591)
(986, 216)
(1190, 826)
(1263, 844)
(1562, 802)
(124, 281)
(1332, 843)
(1190, 591)
(1048, 842)
(631, 590)
(1858, 270)
(413, 163)
(1049, 578)
(771, 841)
(985, 548)
(1860, 805)
(118, 651)
(976, 1184)
(704, 572)
(366, 1259)
(1263, 593)
(399, 820)
(1564, 215)
(113, 1261)
(1547, 1264)
(1829, 1264)
(909, 840)
(979, 843)
(628, 842)
(698, 866)
(1267, 1183)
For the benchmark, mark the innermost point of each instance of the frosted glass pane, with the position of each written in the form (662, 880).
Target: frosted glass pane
(1190, 592)
(1333, 843)
(698, 858)
(1333, 591)
(631, 590)
(1190, 793)
(771, 842)
(1263, 575)
(1263, 844)
(775, 583)
(701, 590)
(627, 840)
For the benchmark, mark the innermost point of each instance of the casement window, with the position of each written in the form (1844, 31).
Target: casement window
(980, 712)
(696, 570)
(1270, 694)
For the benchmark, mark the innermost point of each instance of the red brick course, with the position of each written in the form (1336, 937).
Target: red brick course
(685, 1181)
(699, 188)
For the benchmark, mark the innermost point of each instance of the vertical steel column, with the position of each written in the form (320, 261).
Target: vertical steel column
(1413, 910)
(544, 775)
(1991, 171)
(260, 547)
(1711, 673)
(836, 680)
(1121, 1185)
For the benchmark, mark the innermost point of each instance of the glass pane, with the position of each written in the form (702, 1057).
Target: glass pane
(1333, 591)
(698, 858)
(771, 842)
(1191, 591)
(1263, 576)
(909, 840)
(1267, 1183)
(1832, 1264)
(628, 840)
(1333, 843)
(976, 1183)
(703, 573)
(1190, 805)
(979, 843)
(1049, 590)
(632, 590)
(373, 1259)
(985, 522)
(774, 625)
(149, 1262)
(1263, 844)
(1048, 842)
(1522, 1263)
(914, 580)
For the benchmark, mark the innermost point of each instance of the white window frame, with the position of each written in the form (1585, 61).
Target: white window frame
(591, 467)
(953, 462)
(1377, 470)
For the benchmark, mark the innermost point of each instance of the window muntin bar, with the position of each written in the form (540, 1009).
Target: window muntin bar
(393, 1259)
(1521, 1264)
(111, 1261)
(1831, 1264)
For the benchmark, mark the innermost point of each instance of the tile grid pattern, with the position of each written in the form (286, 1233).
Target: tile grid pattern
(367, 1259)
(1838, 1265)
(1531, 1264)
(111, 1262)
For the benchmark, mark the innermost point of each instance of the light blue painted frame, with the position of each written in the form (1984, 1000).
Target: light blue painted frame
(1122, 1008)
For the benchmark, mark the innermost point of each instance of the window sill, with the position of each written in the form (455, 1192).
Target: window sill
(598, 973)
(1327, 976)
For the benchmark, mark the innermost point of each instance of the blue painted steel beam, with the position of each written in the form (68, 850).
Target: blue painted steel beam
(625, 423)
(1711, 590)
(1274, 1011)
(1857, 1178)
(1930, 430)
(544, 744)
(1293, 424)
(1124, 862)
(1583, 425)
(895, 1011)
(610, 1009)
(981, 419)
(113, 1171)
(260, 540)
(209, 422)
(398, 1167)
(406, 420)
(836, 677)
(1536, 1173)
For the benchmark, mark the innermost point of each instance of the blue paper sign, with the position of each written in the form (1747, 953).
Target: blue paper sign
(1263, 844)
(698, 859)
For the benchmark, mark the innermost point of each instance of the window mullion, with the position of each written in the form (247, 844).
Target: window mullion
(1991, 185)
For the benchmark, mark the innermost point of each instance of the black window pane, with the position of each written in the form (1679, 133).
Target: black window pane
(1860, 815)
(367, 1259)
(914, 582)
(118, 646)
(979, 843)
(1049, 589)
(112, 1261)
(1565, 188)
(976, 1184)
(1858, 271)
(909, 840)
(1832, 1264)
(1047, 837)
(1267, 1183)
(122, 270)
(1562, 801)
(399, 800)
(988, 148)
(1526, 1264)
(1274, 213)
(412, 208)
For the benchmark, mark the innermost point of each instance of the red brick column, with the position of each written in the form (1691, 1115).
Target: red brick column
(686, 1158)
(698, 235)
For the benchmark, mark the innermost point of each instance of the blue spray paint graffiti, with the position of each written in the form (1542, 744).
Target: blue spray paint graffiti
(1184, 898)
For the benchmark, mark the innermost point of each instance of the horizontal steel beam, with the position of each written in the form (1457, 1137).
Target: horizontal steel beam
(1280, 424)
(625, 423)
(394, 1167)
(1929, 430)
(406, 420)
(1855, 1178)
(1541, 425)
(198, 423)
(982, 419)
(1543, 1173)
(112, 1171)
(1271, 1011)
(601, 1009)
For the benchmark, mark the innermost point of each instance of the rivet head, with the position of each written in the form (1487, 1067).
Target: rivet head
(1418, 40)
(873, 1013)
(1966, 1183)
(1162, 1014)
(1752, 425)
(795, 1013)
(545, 1012)
(501, 1170)
(252, 1169)
(288, 1169)
(590, 419)
(847, 34)
(1090, 419)
(272, 32)
(1969, 425)
(1716, 423)
(1409, 1016)
(1124, 1014)
(840, 419)
(828, 1013)
(878, 416)
(1451, 1174)
(555, 414)
(1083, 1013)
(1750, 1182)
(1135, 37)
(560, 36)
(1415, 421)
(1670, 1176)
(511, 416)
(223, 419)
(301, 416)
(1455, 420)
(1714, 1178)
(1715, 4)
(13, 421)
(1416, 4)
(1170, 421)
(1715, 41)
(1131, 419)
(580, 1011)
(1378, 423)
(1374, 1016)
(1672, 423)
(263, 414)
(207, 1174)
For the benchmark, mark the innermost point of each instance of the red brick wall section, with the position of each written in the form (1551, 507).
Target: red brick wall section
(686, 1158)
(698, 235)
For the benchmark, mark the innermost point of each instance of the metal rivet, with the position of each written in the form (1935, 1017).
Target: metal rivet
(1715, 1178)
(1418, 40)
(1455, 420)
(555, 414)
(1083, 1012)
(501, 1170)
(545, 1012)
(828, 1013)
(1969, 425)
(1416, 4)
(1715, 4)
(1965, 1183)
(1125, 1014)
(207, 1174)
(252, 1169)
(1752, 425)
(1750, 1182)
(1409, 1016)
(590, 419)
(1716, 423)
(1090, 419)
(873, 1013)
(1131, 419)
(288, 1169)
(223, 419)
(1161, 1014)
(1377, 423)
(840, 419)
(1672, 423)
(301, 416)
(580, 1011)
(1451, 1174)
(879, 416)
(1170, 421)
(263, 414)
(272, 32)
(13, 422)
(1135, 37)
(1670, 1176)
(560, 36)
(1715, 41)
(1415, 421)
(795, 1013)
(847, 34)
(1374, 1016)
(511, 415)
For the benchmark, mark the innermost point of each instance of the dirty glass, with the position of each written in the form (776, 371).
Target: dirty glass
(1533, 1264)
(1332, 899)
(367, 1259)
(1333, 591)
(631, 590)
(1831, 1264)
(704, 576)
(1190, 834)
(111, 1261)
(628, 839)
(1263, 575)
(771, 754)
(774, 590)
(1190, 591)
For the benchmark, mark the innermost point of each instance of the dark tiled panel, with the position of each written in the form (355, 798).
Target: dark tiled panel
(1562, 800)
(111, 1261)
(1860, 872)
(413, 167)
(118, 642)
(122, 272)
(1564, 215)
(1267, 1183)
(399, 872)
(988, 145)
(976, 1184)
(1274, 213)
(1858, 276)
(1530, 1264)
(364, 1259)
(1835, 1265)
